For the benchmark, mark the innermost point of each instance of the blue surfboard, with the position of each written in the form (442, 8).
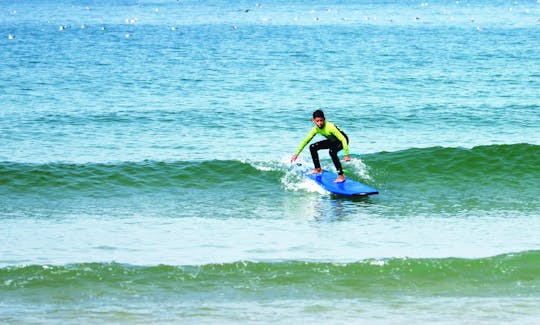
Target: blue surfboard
(348, 188)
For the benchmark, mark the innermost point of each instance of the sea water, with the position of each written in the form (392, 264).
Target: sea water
(145, 175)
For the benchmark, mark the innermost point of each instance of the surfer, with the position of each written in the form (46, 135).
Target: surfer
(336, 140)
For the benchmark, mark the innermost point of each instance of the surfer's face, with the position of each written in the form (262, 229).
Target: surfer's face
(319, 121)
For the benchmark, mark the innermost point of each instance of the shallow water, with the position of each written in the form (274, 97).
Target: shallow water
(145, 177)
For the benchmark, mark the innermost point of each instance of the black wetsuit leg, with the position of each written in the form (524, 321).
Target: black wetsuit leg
(334, 146)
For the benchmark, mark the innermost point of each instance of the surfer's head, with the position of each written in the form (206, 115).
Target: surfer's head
(318, 113)
(318, 118)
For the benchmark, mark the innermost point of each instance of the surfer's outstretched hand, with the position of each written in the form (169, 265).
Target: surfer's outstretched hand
(293, 158)
(347, 158)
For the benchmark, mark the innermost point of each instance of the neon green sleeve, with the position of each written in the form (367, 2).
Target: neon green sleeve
(306, 140)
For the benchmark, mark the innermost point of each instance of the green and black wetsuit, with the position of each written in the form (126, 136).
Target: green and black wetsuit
(336, 140)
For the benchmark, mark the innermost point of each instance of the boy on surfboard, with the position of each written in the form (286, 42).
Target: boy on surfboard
(336, 140)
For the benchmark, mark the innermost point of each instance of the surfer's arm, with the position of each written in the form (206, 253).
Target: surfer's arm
(304, 143)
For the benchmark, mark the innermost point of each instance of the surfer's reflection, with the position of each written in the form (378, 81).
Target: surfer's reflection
(331, 208)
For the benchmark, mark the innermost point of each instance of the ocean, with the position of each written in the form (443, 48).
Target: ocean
(145, 171)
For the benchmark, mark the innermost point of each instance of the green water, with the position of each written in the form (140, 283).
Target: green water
(145, 162)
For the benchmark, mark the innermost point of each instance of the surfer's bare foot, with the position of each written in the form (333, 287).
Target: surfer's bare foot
(340, 179)
(315, 171)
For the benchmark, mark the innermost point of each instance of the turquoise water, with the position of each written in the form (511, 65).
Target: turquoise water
(145, 177)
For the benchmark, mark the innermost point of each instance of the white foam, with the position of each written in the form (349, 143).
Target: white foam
(358, 168)
(294, 181)
(267, 166)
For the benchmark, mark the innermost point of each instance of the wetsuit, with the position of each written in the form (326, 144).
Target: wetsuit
(336, 140)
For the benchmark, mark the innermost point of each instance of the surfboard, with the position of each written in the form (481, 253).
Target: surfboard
(326, 181)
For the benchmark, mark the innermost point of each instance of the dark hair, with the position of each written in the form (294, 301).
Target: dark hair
(318, 113)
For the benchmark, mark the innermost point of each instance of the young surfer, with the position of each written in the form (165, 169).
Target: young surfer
(335, 141)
